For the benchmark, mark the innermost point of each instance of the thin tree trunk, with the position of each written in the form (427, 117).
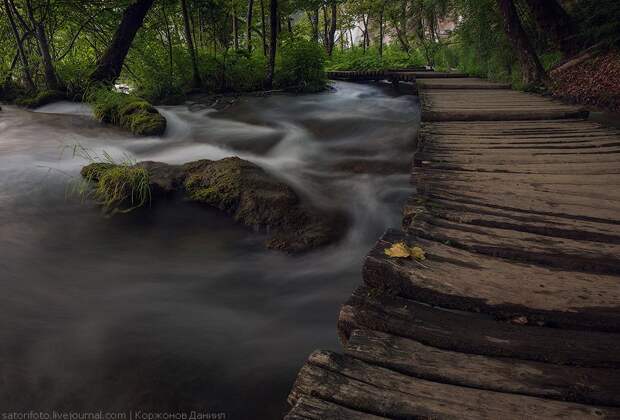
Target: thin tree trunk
(325, 29)
(235, 28)
(533, 72)
(365, 33)
(20, 49)
(109, 66)
(332, 29)
(51, 81)
(553, 20)
(289, 24)
(249, 24)
(190, 45)
(264, 31)
(381, 30)
(273, 42)
(169, 39)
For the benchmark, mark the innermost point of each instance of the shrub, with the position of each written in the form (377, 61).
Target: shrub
(301, 66)
(393, 58)
(599, 21)
(127, 111)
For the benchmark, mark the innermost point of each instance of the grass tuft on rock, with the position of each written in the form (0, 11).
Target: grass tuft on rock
(116, 187)
(126, 111)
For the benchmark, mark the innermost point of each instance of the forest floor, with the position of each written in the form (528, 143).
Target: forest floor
(595, 82)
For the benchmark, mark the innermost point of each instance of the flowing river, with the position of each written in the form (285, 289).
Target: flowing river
(176, 307)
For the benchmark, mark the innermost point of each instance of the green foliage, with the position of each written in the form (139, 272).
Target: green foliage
(301, 66)
(127, 111)
(233, 72)
(600, 21)
(42, 98)
(358, 59)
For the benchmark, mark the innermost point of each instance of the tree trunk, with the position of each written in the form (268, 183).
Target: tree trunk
(553, 20)
(20, 49)
(235, 28)
(109, 66)
(314, 21)
(169, 40)
(273, 41)
(401, 28)
(533, 72)
(325, 29)
(264, 31)
(365, 40)
(381, 30)
(332, 29)
(190, 45)
(249, 24)
(51, 81)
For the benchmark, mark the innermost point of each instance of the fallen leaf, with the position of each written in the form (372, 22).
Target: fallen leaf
(398, 250)
(402, 250)
(418, 253)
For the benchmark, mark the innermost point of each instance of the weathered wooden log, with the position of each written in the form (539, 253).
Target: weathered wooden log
(474, 334)
(308, 408)
(457, 279)
(564, 383)
(375, 390)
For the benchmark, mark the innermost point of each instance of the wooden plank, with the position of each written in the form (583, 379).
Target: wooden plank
(561, 253)
(460, 83)
(564, 383)
(376, 390)
(502, 115)
(463, 280)
(308, 408)
(517, 219)
(475, 334)
(492, 105)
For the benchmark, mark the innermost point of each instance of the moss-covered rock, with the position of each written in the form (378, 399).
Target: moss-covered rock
(257, 199)
(245, 191)
(127, 111)
(42, 98)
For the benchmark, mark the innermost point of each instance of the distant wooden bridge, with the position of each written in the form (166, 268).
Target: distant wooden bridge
(391, 75)
(515, 312)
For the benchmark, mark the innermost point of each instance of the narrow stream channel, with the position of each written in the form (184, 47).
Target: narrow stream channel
(176, 307)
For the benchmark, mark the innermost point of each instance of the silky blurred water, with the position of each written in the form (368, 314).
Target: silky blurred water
(176, 307)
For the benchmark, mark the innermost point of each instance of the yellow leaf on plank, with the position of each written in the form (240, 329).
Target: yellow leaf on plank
(402, 250)
(398, 250)
(418, 253)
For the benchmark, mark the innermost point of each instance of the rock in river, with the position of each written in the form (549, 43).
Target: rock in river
(248, 193)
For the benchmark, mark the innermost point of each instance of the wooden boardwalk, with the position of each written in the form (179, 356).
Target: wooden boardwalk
(515, 313)
(392, 75)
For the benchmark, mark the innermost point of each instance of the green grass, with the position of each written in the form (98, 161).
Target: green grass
(118, 187)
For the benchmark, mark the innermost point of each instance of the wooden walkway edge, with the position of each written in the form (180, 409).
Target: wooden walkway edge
(515, 312)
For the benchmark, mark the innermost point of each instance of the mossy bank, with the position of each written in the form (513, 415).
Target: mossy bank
(126, 111)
